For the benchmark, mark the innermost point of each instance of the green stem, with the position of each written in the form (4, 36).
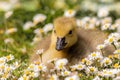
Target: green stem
(114, 46)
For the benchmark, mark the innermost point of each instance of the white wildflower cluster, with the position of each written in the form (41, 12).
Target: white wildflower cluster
(33, 71)
(104, 24)
(6, 69)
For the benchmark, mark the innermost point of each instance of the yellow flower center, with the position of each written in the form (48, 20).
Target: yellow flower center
(71, 79)
(111, 40)
(66, 73)
(116, 55)
(8, 57)
(92, 69)
(79, 66)
(40, 67)
(51, 78)
(107, 61)
(116, 65)
(93, 55)
(70, 11)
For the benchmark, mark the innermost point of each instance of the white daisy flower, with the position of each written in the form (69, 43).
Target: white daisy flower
(69, 13)
(60, 63)
(40, 67)
(87, 61)
(24, 77)
(97, 78)
(80, 23)
(106, 61)
(9, 57)
(74, 77)
(117, 51)
(100, 46)
(105, 27)
(109, 41)
(95, 56)
(38, 31)
(78, 66)
(91, 70)
(109, 72)
(8, 14)
(103, 12)
(28, 25)
(39, 18)
(2, 60)
(48, 27)
(113, 26)
(11, 30)
(40, 51)
(34, 74)
(65, 73)
(53, 77)
(8, 40)
(106, 20)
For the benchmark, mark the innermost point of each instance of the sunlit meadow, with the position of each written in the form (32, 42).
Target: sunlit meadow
(23, 23)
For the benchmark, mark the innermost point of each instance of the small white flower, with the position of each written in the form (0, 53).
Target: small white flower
(100, 46)
(106, 20)
(9, 57)
(8, 40)
(10, 30)
(24, 77)
(40, 67)
(38, 31)
(34, 74)
(91, 70)
(95, 56)
(54, 77)
(78, 66)
(69, 13)
(80, 23)
(74, 77)
(117, 51)
(105, 27)
(106, 61)
(113, 26)
(109, 72)
(97, 78)
(60, 63)
(103, 12)
(109, 41)
(8, 14)
(40, 51)
(87, 61)
(48, 27)
(2, 60)
(39, 18)
(5, 6)
(65, 73)
(28, 25)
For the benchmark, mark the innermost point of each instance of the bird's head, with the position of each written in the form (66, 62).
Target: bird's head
(64, 34)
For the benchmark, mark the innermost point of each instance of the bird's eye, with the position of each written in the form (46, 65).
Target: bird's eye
(70, 32)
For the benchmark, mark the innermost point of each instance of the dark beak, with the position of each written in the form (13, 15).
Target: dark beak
(60, 44)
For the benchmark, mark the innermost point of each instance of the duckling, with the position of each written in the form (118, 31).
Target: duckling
(68, 41)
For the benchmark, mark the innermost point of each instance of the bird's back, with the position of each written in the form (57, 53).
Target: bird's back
(87, 43)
